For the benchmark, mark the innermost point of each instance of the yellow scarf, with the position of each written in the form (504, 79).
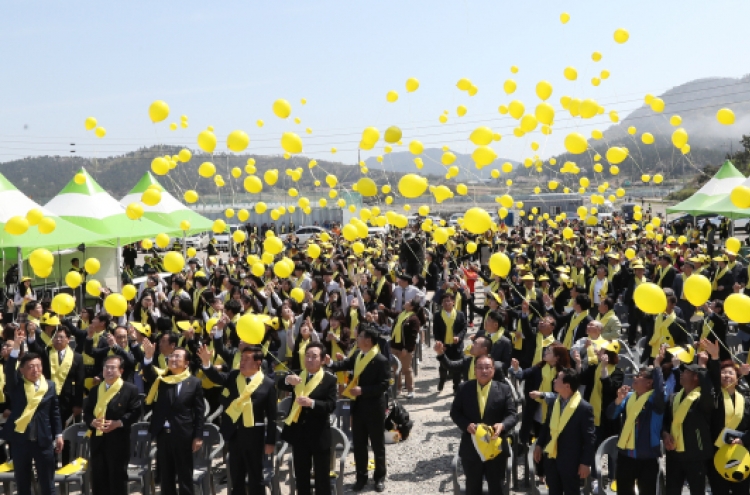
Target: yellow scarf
(578, 277)
(354, 317)
(303, 389)
(517, 341)
(680, 409)
(59, 371)
(301, 351)
(103, 397)
(558, 421)
(46, 339)
(572, 327)
(633, 409)
(661, 333)
(548, 375)
(596, 393)
(541, 343)
(708, 325)
(448, 319)
(733, 412)
(89, 360)
(612, 271)
(398, 327)
(169, 379)
(472, 372)
(359, 366)
(717, 277)
(243, 405)
(483, 394)
(662, 273)
(33, 399)
(381, 283)
(196, 299)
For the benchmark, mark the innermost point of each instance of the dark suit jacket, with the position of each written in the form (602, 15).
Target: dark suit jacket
(71, 394)
(576, 443)
(184, 411)
(313, 428)
(500, 408)
(373, 381)
(386, 293)
(125, 406)
(459, 327)
(562, 325)
(47, 417)
(263, 399)
(102, 351)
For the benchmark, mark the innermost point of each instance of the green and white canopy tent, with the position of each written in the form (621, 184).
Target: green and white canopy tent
(169, 212)
(726, 208)
(715, 190)
(64, 239)
(92, 208)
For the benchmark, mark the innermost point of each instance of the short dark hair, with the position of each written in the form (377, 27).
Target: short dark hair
(104, 317)
(120, 361)
(174, 339)
(29, 356)
(571, 378)
(447, 295)
(485, 342)
(64, 329)
(583, 301)
(609, 302)
(317, 345)
(234, 306)
(256, 351)
(495, 316)
(484, 357)
(370, 332)
(183, 349)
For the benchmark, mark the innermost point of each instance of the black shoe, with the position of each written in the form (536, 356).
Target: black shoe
(379, 486)
(441, 384)
(358, 486)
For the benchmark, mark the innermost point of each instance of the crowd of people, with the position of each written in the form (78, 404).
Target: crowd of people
(557, 329)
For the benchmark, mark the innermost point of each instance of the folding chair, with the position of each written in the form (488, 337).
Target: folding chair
(283, 408)
(343, 415)
(213, 445)
(75, 435)
(141, 457)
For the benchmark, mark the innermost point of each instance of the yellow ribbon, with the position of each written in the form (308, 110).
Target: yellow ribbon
(558, 421)
(103, 397)
(680, 409)
(303, 389)
(34, 397)
(632, 409)
(242, 405)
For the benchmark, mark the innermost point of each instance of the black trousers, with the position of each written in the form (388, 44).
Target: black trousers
(477, 471)
(641, 471)
(174, 455)
(109, 467)
(305, 459)
(679, 471)
(561, 481)
(453, 353)
(634, 319)
(246, 460)
(369, 425)
(43, 456)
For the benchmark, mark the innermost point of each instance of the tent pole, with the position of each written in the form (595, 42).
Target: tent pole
(184, 244)
(118, 264)
(19, 258)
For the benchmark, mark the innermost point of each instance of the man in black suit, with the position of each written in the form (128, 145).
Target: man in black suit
(34, 428)
(111, 408)
(466, 365)
(497, 410)
(177, 420)
(367, 390)
(572, 326)
(308, 429)
(64, 367)
(382, 286)
(113, 343)
(247, 423)
(568, 436)
(449, 327)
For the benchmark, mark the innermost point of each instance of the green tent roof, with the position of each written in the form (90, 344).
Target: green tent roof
(91, 207)
(169, 212)
(713, 191)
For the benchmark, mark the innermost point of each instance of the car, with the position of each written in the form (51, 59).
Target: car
(377, 231)
(198, 241)
(742, 225)
(453, 221)
(305, 233)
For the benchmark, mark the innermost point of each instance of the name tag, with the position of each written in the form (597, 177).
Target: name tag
(345, 406)
(82, 433)
(142, 433)
(206, 433)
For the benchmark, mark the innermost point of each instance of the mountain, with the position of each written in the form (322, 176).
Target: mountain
(404, 161)
(696, 103)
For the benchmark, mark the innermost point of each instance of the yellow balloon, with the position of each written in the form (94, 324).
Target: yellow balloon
(174, 262)
(393, 135)
(79, 179)
(697, 289)
(190, 196)
(543, 90)
(441, 235)
(94, 288)
(162, 240)
(570, 73)
(219, 226)
(100, 132)
(92, 266)
(47, 225)
(273, 245)
(477, 221)
(483, 156)
(564, 17)
(616, 155)
(63, 304)
(679, 138)
(516, 109)
(291, 142)
(416, 147)
(151, 197)
(251, 329)
(237, 141)
(253, 184)
(73, 279)
(158, 111)
(740, 197)
(737, 307)
(271, 176)
(650, 298)
(391, 96)
(509, 86)
(207, 141)
(500, 264)
(725, 116)
(575, 143)
(184, 155)
(412, 84)
(733, 244)
(545, 113)
(350, 232)
(207, 170)
(282, 109)
(412, 186)
(90, 123)
(621, 35)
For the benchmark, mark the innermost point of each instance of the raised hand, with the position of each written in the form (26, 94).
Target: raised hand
(148, 349)
(622, 393)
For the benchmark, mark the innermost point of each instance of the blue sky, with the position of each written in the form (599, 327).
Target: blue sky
(224, 63)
